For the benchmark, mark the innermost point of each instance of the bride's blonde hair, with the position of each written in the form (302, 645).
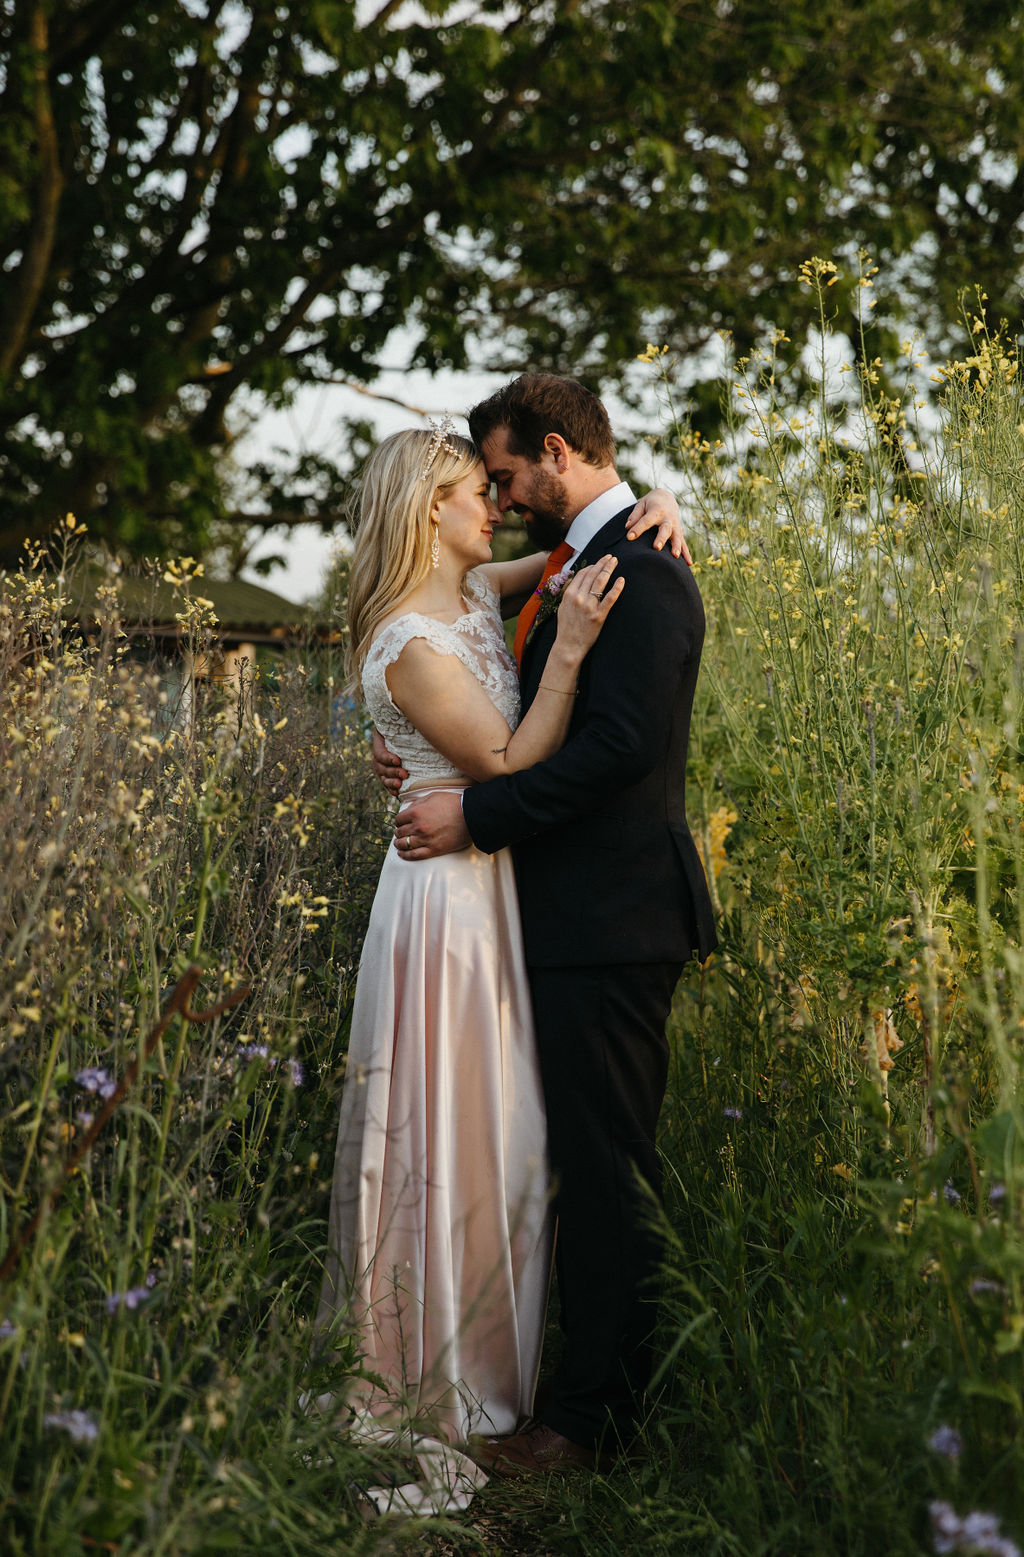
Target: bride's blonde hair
(403, 478)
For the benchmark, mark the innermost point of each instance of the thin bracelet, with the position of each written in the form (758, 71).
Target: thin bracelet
(545, 688)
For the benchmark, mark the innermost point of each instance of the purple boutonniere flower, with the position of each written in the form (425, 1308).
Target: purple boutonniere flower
(550, 593)
(557, 582)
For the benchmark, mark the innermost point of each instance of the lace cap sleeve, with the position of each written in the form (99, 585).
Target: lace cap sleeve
(384, 651)
(477, 639)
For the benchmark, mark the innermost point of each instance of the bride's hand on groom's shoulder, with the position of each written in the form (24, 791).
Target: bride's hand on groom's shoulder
(660, 508)
(584, 606)
(432, 826)
(387, 766)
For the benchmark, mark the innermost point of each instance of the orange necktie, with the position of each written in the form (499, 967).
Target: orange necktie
(555, 562)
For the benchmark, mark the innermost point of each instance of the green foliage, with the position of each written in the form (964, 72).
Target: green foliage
(843, 1132)
(205, 208)
(166, 1291)
(843, 1136)
(843, 1139)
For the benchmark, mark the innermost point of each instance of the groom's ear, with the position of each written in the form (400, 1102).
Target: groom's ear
(556, 446)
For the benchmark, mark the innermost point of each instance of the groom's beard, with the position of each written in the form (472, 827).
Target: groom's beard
(546, 513)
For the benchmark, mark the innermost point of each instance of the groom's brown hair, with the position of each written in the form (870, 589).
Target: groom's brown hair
(535, 404)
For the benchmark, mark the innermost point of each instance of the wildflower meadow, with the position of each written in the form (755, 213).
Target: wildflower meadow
(184, 891)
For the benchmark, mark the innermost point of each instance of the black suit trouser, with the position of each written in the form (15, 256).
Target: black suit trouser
(604, 1065)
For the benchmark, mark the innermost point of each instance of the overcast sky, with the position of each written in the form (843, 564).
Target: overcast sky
(312, 424)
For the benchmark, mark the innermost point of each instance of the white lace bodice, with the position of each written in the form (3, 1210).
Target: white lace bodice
(478, 640)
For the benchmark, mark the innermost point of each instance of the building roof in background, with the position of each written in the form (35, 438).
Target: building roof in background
(148, 606)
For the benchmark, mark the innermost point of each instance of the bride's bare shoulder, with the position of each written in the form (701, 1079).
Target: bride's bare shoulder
(401, 609)
(386, 622)
(426, 609)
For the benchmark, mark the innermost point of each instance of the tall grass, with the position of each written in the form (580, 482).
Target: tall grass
(843, 1313)
(158, 1292)
(844, 1310)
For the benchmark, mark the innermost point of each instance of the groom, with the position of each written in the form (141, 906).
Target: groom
(612, 894)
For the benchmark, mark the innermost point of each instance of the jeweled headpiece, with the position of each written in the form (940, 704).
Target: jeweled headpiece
(440, 439)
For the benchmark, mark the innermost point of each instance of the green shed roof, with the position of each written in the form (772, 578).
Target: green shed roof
(148, 606)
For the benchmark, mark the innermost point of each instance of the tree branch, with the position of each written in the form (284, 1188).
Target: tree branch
(371, 394)
(88, 28)
(31, 275)
(331, 379)
(385, 13)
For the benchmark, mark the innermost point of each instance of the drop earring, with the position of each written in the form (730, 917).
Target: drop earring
(435, 550)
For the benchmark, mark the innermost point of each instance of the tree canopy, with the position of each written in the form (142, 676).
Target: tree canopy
(205, 204)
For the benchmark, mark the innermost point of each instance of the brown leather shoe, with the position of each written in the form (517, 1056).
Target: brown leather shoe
(536, 1451)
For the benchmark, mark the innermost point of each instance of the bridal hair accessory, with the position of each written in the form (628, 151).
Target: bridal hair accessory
(435, 549)
(440, 435)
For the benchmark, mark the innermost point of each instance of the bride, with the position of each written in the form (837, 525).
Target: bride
(439, 1227)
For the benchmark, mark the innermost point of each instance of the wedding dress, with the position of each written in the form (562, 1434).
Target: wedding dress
(440, 1230)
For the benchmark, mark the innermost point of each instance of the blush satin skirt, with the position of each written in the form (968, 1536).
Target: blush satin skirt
(440, 1225)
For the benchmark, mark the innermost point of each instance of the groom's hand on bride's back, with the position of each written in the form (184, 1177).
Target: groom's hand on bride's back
(387, 766)
(432, 826)
(423, 829)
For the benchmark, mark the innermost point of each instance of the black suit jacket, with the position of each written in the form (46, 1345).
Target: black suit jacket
(606, 866)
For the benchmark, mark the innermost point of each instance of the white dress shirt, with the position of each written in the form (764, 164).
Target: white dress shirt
(596, 515)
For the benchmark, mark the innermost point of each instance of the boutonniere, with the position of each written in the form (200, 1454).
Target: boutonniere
(549, 594)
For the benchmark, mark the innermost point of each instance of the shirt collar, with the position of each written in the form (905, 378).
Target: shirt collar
(597, 514)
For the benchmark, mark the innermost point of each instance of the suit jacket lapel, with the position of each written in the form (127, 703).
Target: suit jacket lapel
(606, 538)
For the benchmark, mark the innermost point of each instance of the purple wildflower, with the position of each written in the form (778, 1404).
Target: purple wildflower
(997, 1194)
(260, 1051)
(130, 1299)
(6, 1330)
(83, 1118)
(732, 1113)
(253, 1051)
(78, 1425)
(982, 1285)
(947, 1442)
(945, 1525)
(952, 1195)
(980, 1533)
(93, 1079)
(976, 1533)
